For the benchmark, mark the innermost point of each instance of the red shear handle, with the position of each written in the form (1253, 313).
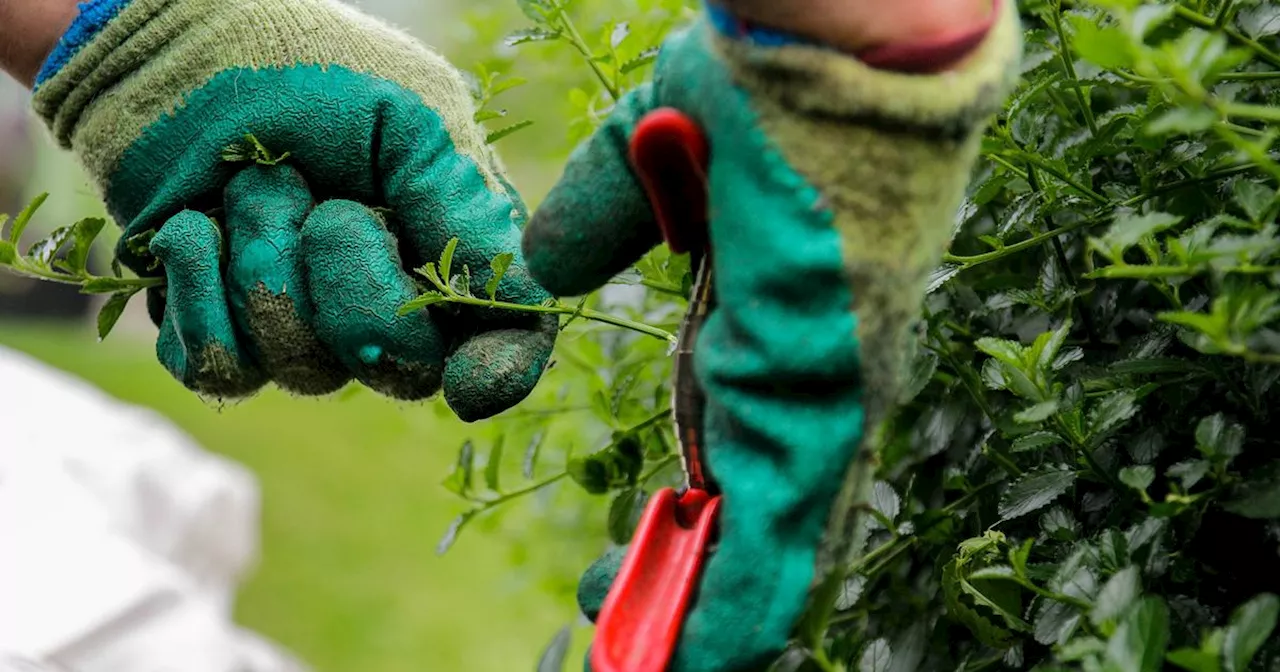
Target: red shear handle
(639, 623)
(671, 155)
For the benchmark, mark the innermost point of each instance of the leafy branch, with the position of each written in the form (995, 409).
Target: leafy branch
(457, 290)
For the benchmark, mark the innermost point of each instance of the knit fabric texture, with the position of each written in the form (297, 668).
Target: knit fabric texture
(92, 17)
(306, 259)
(833, 192)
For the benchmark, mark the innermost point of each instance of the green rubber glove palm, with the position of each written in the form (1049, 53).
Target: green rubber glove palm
(295, 272)
(833, 188)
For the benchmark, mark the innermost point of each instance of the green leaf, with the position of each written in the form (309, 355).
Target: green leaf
(1258, 496)
(493, 467)
(1111, 412)
(482, 116)
(1195, 660)
(504, 132)
(527, 35)
(83, 233)
(1254, 198)
(1129, 229)
(624, 514)
(1216, 438)
(1117, 595)
(1035, 441)
(619, 34)
(1188, 472)
(1138, 645)
(645, 58)
(8, 253)
(499, 266)
(24, 218)
(535, 10)
(1037, 413)
(1009, 352)
(1104, 47)
(43, 251)
(591, 473)
(1182, 120)
(1250, 627)
(557, 650)
(451, 535)
(1035, 490)
(446, 261)
(885, 500)
(1138, 478)
(459, 481)
(877, 657)
(100, 285)
(424, 300)
(111, 311)
(531, 454)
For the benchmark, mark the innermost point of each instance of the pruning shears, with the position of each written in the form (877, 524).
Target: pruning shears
(639, 623)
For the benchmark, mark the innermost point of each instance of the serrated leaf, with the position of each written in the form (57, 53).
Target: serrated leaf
(459, 481)
(451, 535)
(619, 34)
(482, 116)
(1035, 490)
(24, 218)
(940, 276)
(504, 132)
(111, 311)
(1035, 441)
(527, 35)
(885, 500)
(624, 514)
(1009, 352)
(1182, 120)
(1215, 437)
(499, 267)
(533, 9)
(1258, 496)
(1250, 627)
(1253, 197)
(1111, 412)
(43, 251)
(645, 58)
(1138, 645)
(1106, 47)
(877, 657)
(557, 650)
(531, 454)
(424, 300)
(1037, 413)
(83, 233)
(850, 592)
(1139, 477)
(1117, 595)
(493, 467)
(446, 261)
(1188, 472)
(1129, 229)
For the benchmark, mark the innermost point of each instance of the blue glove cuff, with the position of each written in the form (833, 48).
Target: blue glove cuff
(93, 17)
(735, 28)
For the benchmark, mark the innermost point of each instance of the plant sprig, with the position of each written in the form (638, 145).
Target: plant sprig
(455, 288)
(63, 257)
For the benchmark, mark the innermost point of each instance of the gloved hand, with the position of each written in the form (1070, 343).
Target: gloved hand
(291, 272)
(833, 188)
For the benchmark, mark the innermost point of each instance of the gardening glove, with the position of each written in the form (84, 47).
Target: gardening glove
(833, 187)
(294, 270)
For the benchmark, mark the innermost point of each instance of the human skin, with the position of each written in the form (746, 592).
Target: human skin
(29, 29)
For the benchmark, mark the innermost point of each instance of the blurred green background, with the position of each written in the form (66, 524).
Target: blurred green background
(353, 508)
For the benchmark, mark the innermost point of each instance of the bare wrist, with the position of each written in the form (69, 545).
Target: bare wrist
(29, 30)
(855, 25)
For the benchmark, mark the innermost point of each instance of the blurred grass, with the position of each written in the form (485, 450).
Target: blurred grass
(352, 511)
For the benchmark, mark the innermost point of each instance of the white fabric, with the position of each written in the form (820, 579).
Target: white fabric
(121, 541)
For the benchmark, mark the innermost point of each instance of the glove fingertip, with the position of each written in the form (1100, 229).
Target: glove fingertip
(495, 370)
(594, 586)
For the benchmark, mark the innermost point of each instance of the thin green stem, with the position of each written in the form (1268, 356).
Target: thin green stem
(575, 39)
(1224, 13)
(1047, 167)
(1249, 76)
(557, 309)
(51, 275)
(516, 494)
(1200, 20)
(657, 469)
(1257, 112)
(1064, 51)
